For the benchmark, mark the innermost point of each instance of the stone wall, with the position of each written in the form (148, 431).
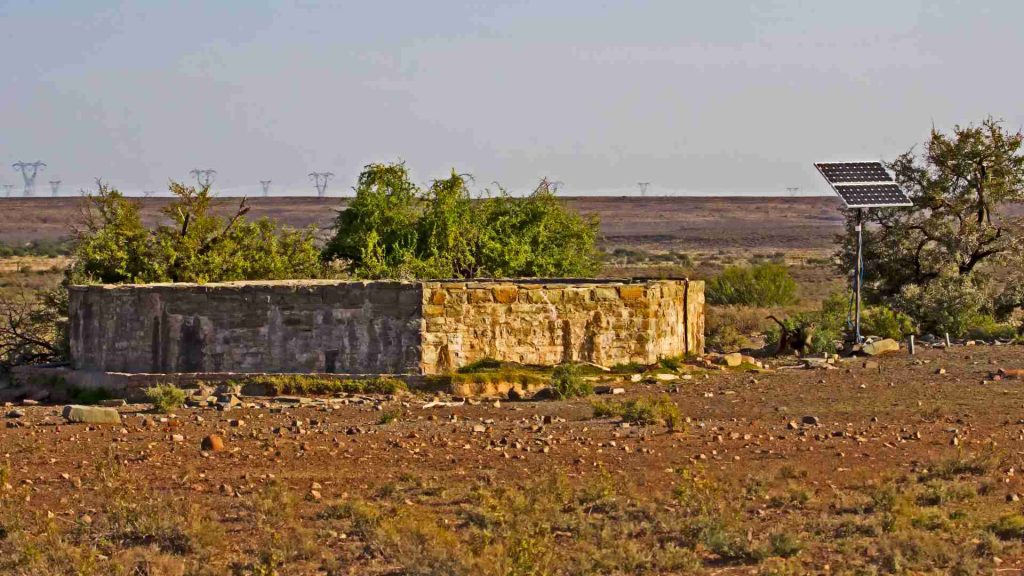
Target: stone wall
(290, 326)
(550, 322)
(379, 327)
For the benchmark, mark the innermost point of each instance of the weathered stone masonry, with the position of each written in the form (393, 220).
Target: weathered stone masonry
(380, 327)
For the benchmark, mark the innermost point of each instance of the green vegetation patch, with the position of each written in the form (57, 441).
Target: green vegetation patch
(643, 412)
(313, 384)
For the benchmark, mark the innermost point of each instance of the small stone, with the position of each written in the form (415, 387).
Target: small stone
(314, 495)
(810, 420)
(212, 443)
(667, 377)
(16, 413)
(478, 428)
(113, 402)
(1013, 497)
(940, 371)
(792, 425)
(177, 438)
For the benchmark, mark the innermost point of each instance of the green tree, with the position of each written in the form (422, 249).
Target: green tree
(392, 229)
(376, 234)
(112, 245)
(938, 260)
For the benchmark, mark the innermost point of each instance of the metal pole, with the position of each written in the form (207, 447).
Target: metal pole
(858, 273)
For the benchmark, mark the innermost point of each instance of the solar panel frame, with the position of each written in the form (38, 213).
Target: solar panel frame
(879, 190)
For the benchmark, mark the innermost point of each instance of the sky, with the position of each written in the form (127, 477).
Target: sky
(695, 97)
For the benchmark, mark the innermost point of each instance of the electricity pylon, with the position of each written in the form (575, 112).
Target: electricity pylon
(266, 187)
(320, 181)
(204, 178)
(29, 170)
(643, 187)
(7, 189)
(55, 186)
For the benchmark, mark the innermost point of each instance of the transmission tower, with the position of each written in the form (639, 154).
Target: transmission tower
(7, 190)
(204, 177)
(643, 187)
(29, 170)
(554, 186)
(793, 190)
(148, 193)
(320, 181)
(55, 187)
(266, 187)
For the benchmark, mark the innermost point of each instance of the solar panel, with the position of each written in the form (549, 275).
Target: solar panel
(836, 172)
(872, 195)
(863, 184)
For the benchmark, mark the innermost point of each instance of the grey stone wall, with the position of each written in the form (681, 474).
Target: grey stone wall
(290, 326)
(379, 327)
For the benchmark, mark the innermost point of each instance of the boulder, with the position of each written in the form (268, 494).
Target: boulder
(731, 360)
(91, 414)
(879, 347)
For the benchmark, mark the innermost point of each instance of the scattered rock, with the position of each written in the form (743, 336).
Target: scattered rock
(667, 377)
(810, 420)
(879, 347)
(731, 360)
(91, 414)
(113, 402)
(16, 413)
(212, 443)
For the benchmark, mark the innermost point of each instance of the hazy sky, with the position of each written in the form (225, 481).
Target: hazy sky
(696, 97)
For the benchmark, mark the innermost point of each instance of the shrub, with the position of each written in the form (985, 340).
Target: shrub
(279, 384)
(887, 323)
(392, 229)
(566, 382)
(784, 545)
(113, 245)
(165, 397)
(643, 412)
(388, 416)
(1009, 527)
(759, 285)
(986, 328)
(949, 304)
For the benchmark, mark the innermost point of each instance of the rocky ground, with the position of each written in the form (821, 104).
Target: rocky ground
(895, 465)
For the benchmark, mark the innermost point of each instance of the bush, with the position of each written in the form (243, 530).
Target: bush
(278, 384)
(1009, 527)
(885, 322)
(392, 229)
(566, 382)
(949, 304)
(727, 328)
(112, 245)
(759, 285)
(643, 412)
(165, 398)
(986, 328)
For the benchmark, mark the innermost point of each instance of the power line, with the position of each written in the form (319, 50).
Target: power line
(320, 181)
(29, 170)
(205, 177)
